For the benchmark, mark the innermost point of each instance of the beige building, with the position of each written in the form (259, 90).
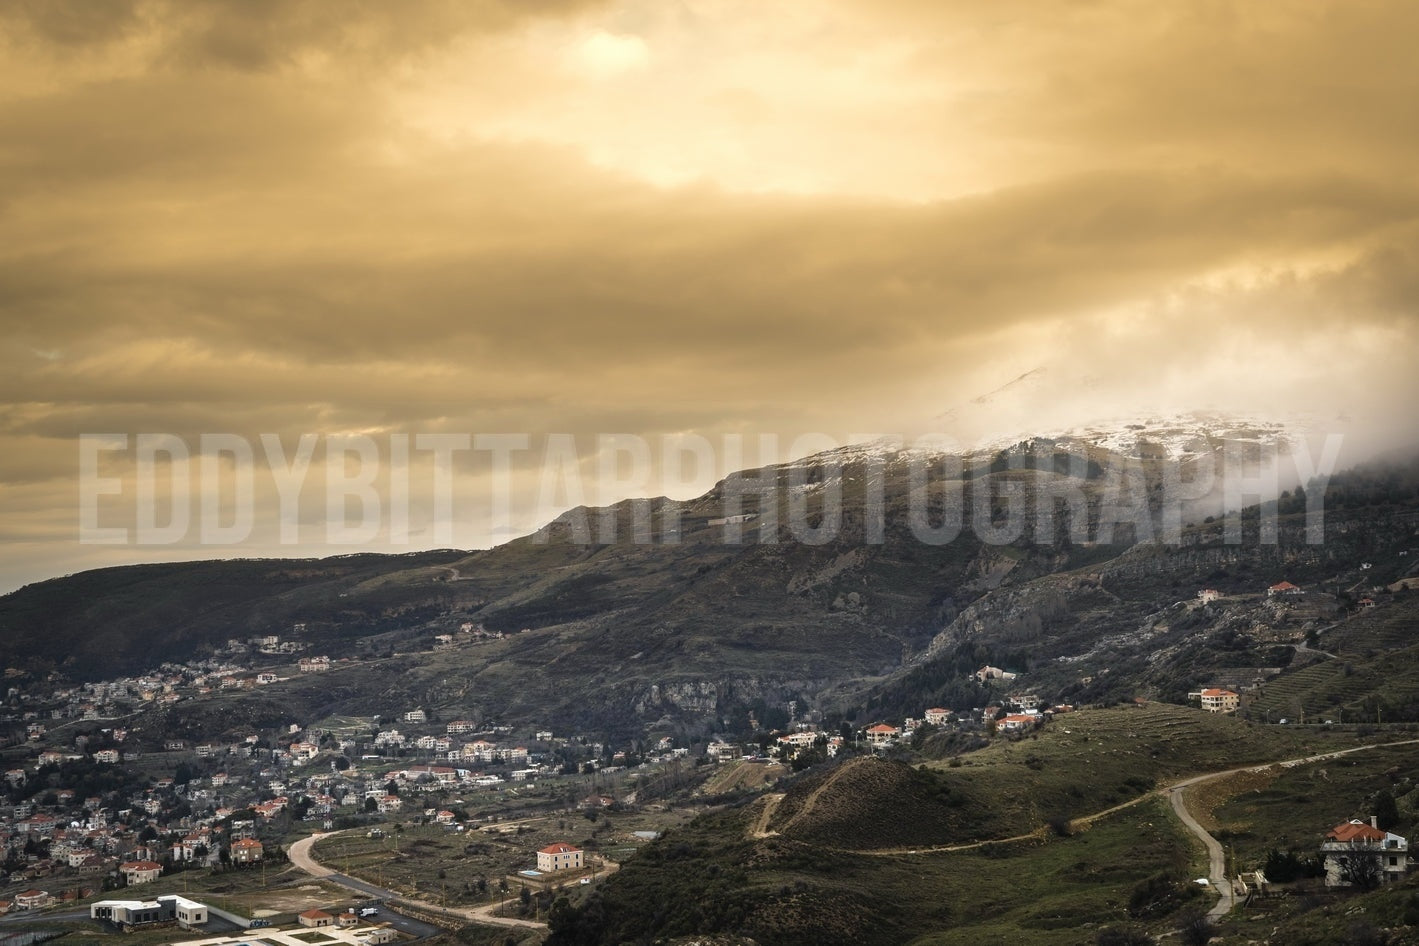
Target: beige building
(316, 918)
(559, 856)
(140, 872)
(246, 851)
(1219, 701)
(882, 734)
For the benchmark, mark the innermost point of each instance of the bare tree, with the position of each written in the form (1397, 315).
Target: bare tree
(1361, 869)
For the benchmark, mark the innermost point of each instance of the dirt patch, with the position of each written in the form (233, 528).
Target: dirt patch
(1205, 798)
(744, 776)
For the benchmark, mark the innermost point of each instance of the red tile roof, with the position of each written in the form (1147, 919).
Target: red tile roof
(1355, 831)
(560, 848)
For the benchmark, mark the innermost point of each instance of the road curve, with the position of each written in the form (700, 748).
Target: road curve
(1216, 857)
(1217, 860)
(301, 856)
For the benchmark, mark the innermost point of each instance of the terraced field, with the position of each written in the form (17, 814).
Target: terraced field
(1374, 677)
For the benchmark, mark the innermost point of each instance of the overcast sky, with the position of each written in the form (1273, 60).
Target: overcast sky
(679, 217)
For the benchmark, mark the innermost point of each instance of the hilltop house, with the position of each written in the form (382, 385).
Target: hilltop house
(882, 734)
(1215, 700)
(936, 716)
(724, 752)
(1017, 722)
(559, 856)
(1351, 841)
(1283, 588)
(1208, 595)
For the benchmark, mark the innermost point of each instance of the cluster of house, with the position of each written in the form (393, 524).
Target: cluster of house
(126, 847)
(1284, 589)
(451, 749)
(172, 910)
(112, 699)
(1016, 713)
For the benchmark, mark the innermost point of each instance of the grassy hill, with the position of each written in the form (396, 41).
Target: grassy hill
(878, 851)
(122, 620)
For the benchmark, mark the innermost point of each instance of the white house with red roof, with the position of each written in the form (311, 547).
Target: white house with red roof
(33, 900)
(1353, 839)
(1283, 588)
(559, 856)
(1017, 722)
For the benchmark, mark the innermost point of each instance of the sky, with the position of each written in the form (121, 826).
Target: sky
(681, 221)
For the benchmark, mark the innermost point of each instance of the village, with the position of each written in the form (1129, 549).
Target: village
(95, 806)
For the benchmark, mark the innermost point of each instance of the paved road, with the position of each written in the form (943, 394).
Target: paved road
(300, 855)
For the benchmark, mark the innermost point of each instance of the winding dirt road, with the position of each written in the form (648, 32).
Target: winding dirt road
(1176, 792)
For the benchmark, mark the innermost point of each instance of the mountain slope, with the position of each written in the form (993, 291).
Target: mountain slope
(693, 628)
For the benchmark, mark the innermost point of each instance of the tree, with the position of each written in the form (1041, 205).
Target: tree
(1360, 869)
(561, 916)
(1386, 811)
(1285, 866)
